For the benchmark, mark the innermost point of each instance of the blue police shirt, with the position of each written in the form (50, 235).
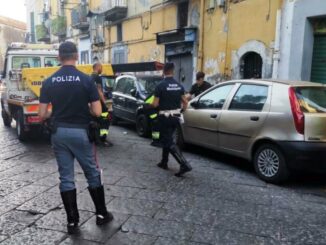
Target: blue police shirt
(69, 91)
(170, 92)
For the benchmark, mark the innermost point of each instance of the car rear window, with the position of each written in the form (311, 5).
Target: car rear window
(148, 84)
(312, 99)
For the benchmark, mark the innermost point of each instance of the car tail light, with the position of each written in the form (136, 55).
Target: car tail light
(297, 113)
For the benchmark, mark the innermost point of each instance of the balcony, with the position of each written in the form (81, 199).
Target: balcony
(79, 18)
(115, 9)
(59, 26)
(98, 40)
(42, 33)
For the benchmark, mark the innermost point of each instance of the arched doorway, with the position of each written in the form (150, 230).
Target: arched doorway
(251, 65)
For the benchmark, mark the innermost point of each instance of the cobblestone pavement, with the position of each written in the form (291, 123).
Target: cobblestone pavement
(220, 202)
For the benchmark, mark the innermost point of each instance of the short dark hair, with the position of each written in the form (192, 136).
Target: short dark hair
(67, 50)
(200, 75)
(168, 67)
(96, 64)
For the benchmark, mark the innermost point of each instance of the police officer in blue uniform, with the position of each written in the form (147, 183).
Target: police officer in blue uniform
(169, 97)
(74, 100)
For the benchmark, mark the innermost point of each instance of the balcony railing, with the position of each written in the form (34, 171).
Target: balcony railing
(115, 9)
(42, 33)
(79, 18)
(59, 26)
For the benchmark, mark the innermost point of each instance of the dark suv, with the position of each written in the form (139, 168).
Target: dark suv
(129, 94)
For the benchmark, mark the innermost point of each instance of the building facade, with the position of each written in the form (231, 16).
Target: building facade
(226, 39)
(10, 31)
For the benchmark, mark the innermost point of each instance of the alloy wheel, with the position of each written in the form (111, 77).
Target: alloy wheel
(268, 162)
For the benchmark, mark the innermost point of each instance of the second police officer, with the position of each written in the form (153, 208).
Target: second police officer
(170, 99)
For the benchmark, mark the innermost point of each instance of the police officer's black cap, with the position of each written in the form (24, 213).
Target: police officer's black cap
(67, 48)
(169, 66)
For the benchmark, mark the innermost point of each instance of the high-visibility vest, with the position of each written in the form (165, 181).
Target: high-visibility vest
(150, 100)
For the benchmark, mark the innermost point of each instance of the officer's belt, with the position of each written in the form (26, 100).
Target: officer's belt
(71, 125)
(173, 113)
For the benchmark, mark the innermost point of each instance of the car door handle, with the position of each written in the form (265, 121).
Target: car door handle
(213, 116)
(254, 118)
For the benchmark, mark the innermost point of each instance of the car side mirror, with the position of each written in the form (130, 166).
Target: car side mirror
(195, 104)
(133, 92)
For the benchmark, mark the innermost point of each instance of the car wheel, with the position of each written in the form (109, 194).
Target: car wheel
(142, 125)
(270, 164)
(20, 126)
(6, 118)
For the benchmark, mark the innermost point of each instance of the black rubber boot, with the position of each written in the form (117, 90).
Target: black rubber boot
(102, 215)
(184, 165)
(165, 158)
(70, 204)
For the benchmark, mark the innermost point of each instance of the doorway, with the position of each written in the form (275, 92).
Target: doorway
(183, 69)
(251, 65)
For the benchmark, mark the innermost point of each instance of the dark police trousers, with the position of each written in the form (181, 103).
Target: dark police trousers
(168, 126)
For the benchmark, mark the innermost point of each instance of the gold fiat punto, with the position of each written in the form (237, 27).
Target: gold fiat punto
(278, 125)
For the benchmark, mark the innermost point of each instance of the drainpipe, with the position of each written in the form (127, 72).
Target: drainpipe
(276, 53)
(201, 36)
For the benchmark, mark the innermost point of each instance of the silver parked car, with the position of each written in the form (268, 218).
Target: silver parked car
(278, 125)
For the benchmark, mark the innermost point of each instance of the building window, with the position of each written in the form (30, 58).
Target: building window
(84, 57)
(119, 32)
(183, 14)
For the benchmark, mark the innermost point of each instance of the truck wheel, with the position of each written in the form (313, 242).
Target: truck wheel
(6, 118)
(20, 126)
(142, 125)
(270, 164)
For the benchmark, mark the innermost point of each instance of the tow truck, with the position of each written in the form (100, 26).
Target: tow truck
(26, 67)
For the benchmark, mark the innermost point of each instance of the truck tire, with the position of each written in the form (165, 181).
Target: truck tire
(6, 118)
(142, 125)
(20, 126)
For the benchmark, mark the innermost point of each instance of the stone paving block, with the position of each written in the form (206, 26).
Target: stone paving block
(121, 238)
(50, 180)
(249, 225)
(57, 220)
(159, 196)
(76, 241)
(38, 156)
(121, 191)
(8, 186)
(189, 215)
(10, 172)
(15, 221)
(220, 236)
(43, 203)
(110, 179)
(29, 176)
(34, 236)
(164, 228)
(6, 206)
(45, 168)
(91, 231)
(134, 206)
(24, 194)
(168, 241)
(2, 238)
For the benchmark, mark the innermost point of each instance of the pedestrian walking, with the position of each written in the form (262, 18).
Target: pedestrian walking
(170, 99)
(74, 99)
(200, 86)
(104, 119)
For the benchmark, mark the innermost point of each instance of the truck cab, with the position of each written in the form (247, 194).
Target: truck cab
(18, 102)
